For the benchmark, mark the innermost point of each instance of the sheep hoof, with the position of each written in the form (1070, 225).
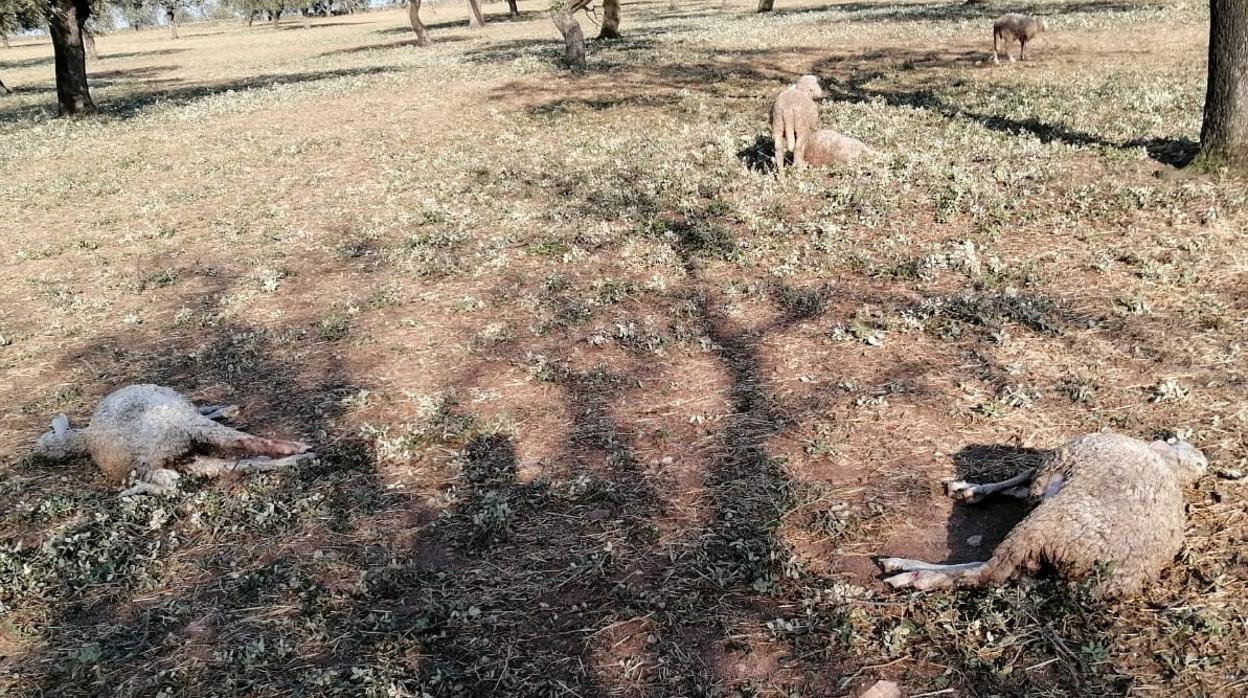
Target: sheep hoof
(965, 492)
(920, 580)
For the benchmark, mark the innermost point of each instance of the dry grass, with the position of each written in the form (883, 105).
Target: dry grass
(604, 409)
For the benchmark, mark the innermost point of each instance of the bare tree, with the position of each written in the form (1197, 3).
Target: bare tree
(562, 13)
(413, 15)
(476, 20)
(65, 19)
(1224, 136)
(610, 20)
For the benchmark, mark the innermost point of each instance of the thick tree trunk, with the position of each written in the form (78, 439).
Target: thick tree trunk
(573, 37)
(275, 17)
(475, 18)
(88, 42)
(65, 20)
(766, 5)
(172, 19)
(413, 15)
(513, 9)
(1224, 137)
(610, 20)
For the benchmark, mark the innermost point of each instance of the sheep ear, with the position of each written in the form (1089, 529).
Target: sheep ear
(60, 424)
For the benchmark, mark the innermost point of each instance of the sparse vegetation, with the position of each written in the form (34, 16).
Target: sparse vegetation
(600, 407)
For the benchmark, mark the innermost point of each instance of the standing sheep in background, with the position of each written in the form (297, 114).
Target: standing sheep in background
(148, 429)
(1012, 27)
(794, 116)
(1103, 499)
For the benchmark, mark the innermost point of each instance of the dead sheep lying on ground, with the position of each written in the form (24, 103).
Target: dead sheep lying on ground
(827, 147)
(1014, 27)
(148, 430)
(1103, 499)
(794, 116)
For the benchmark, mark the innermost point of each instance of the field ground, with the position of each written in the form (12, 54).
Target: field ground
(602, 409)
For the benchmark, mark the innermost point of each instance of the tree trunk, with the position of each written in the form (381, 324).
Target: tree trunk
(4, 88)
(413, 15)
(5, 39)
(766, 5)
(251, 17)
(610, 20)
(1224, 137)
(172, 19)
(276, 17)
(513, 10)
(88, 42)
(65, 20)
(573, 38)
(672, 6)
(475, 18)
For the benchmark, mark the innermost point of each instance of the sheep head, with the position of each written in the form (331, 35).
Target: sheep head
(60, 442)
(1188, 463)
(810, 85)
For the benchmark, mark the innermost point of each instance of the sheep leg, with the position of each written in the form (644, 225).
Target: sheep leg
(920, 575)
(778, 150)
(220, 436)
(970, 493)
(1022, 49)
(799, 149)
(996, 37)
(209, 466)
(220, 411)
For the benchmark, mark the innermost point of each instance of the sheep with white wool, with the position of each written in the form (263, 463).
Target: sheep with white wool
(1015, 27)
(827, 147)
(1102, 499)
(149, 431)
(794, 117)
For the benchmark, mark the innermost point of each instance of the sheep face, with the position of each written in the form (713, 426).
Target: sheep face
(810, 85)
(60, 442)
(1188, 462)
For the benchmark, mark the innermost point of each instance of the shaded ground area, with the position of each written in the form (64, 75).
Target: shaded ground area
(602, 408)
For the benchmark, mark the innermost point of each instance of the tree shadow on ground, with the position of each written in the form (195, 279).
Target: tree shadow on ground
(104, 56)
(959, 11)
(860, 70)
(133, 104)
(408, 43)
(975, 530)
(462, 23)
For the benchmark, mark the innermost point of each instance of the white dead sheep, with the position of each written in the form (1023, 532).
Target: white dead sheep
(794, 116)
(1101, 499)
(148, 432)
(1015, 27)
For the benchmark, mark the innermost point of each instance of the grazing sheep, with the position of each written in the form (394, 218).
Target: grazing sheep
(1103, 498)
(1015, 27)
(826, 147)
(794, 116)
(148, 429)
